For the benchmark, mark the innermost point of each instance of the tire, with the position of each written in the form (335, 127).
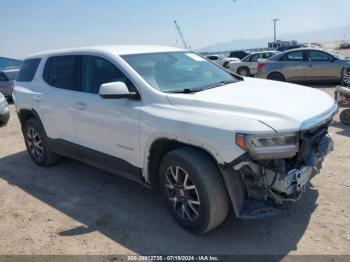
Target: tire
(345, 117)
(276, 77)
(204, 188)
(225, 65)
(243, 71)
(36, 143)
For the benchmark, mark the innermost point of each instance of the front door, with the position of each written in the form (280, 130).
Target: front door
(108, 129)
(322, 66)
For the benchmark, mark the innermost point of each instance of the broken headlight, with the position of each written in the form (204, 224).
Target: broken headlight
(273, 146)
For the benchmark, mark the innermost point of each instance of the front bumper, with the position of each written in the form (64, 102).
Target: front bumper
(268, 184)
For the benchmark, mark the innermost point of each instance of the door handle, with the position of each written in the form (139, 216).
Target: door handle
(311, 65)
(37, 99)
(80, 106)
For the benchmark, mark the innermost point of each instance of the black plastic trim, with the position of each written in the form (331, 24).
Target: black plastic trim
(97, 159)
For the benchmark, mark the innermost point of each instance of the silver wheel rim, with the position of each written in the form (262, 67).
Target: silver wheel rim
(243, 72)
(182, 193)
(347, 79)
(35, 145)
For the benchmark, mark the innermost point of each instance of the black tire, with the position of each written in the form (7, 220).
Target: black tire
(225, 65)
(43, 156)
(208, 184)
(243, 71)
(276, 77)
(345, 117)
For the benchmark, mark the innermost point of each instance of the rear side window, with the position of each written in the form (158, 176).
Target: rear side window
(28, 70)
(61, 72)
(297, 56)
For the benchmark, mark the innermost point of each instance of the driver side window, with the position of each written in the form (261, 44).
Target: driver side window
(96, 71)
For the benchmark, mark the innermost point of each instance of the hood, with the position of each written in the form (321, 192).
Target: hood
(281, 106)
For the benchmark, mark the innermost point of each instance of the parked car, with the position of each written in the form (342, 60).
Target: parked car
(214, 58)
(248, 65)
(169, 119)
(233, 56)
(7, 81)
(285, 48)
(304, 64)
(4, 111)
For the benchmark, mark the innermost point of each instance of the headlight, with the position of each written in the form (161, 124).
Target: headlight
(273, 146)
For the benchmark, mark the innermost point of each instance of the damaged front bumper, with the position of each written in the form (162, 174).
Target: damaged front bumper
(268, 184)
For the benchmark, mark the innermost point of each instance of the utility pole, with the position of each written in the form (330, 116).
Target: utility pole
(274, 28)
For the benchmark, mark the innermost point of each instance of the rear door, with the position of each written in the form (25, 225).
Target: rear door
(54, 97)
(322, 66)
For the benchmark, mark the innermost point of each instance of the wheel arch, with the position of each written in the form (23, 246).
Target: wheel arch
(233, 183)
(159, 148)
(25, 114)
(277, 72)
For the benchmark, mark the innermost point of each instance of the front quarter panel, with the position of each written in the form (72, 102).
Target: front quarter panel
(211, 132)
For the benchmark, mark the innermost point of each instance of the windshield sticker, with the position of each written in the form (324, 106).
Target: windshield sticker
(195, 57)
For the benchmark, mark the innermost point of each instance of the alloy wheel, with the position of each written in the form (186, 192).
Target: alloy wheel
(182, 193)
(35, 144)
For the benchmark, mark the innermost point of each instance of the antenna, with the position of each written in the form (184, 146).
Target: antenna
(181, 35)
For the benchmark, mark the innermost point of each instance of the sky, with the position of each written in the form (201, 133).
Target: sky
(38, 25)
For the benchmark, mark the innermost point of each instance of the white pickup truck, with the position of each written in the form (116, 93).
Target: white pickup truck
(170, 119)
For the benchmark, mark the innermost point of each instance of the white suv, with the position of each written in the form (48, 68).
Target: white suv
(168, 118)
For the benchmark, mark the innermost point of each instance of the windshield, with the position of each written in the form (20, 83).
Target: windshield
(337, 55)
(178, 71)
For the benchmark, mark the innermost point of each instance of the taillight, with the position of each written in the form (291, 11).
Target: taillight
(260, 66)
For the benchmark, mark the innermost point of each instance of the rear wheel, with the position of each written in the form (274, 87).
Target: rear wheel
(225, 65)
(193, 189)
(37, 145)
(243, 71)
(345, 117)
(276, 77)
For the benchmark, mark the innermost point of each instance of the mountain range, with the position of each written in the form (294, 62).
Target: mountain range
(325, 35)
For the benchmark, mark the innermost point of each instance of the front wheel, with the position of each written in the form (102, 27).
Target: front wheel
(345, 117)
(193, 189)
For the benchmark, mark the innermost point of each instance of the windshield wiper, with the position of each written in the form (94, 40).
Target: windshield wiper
(190, 90)
(185, 91)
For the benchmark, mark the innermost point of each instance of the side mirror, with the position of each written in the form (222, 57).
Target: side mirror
(117, 90)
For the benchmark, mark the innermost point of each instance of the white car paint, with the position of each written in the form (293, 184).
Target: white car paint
(210, 119)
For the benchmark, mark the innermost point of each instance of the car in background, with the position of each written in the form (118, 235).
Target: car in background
(285, 48)
(214, 58)
(304, 65)
(7, 81)
(248, 65)
(4, 111)
(233, 56)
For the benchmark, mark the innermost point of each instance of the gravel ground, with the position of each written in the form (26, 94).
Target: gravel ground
(73, 208)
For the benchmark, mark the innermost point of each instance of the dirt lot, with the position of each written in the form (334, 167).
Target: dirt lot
(75, 209)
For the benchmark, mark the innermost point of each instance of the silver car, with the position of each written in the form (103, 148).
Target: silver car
(248, 65)
(4, 111)
(304, 64)
(7, 81)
